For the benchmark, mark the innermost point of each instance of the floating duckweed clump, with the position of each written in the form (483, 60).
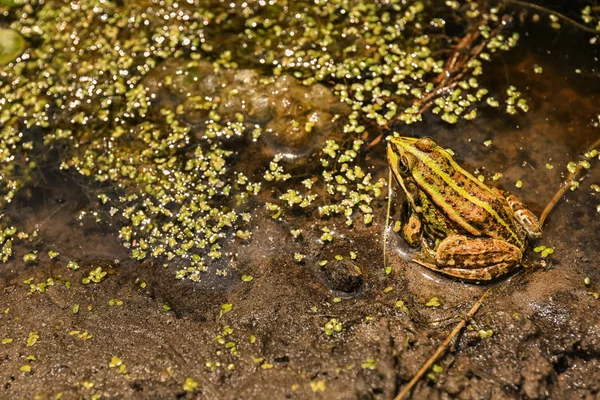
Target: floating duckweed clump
(348, 188)
(591, 18)
(155, 108)
(381, 56)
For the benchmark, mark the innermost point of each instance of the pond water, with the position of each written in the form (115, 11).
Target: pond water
(238, 257)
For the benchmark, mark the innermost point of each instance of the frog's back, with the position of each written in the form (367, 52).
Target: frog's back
(462, 204)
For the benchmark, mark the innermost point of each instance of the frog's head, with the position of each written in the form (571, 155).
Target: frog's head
(403, 157)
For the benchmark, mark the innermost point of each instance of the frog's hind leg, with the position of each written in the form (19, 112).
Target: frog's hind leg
(482, 274)
(522, 214)
(525, 217)
(472, 259)
(471, 275)
(426, 257)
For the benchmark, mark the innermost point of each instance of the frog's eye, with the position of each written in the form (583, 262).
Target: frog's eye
(425, 144)
(404, 165)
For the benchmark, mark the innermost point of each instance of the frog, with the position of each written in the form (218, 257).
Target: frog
(465, 229)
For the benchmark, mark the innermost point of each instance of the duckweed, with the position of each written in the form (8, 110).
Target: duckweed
(434, 302)
(435, 371)
(189, 385)
(30, 257)
(115, 362)
(73, 265)
(400, 304)
(544, 251)
(85, 335)
(317, 386)
(225, 308)
(25, 368)
(32, 339)
(96, 276)
(484, 334)
(11, 45)
(369, 363)
(180, 193)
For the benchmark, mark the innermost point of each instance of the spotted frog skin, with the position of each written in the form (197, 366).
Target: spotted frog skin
(465, 228)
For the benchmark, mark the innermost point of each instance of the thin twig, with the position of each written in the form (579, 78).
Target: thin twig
(387, 220)
(447, 78)
(442, 347)
(454, 70)
(375, 141)
(549, 11)
(564, 187)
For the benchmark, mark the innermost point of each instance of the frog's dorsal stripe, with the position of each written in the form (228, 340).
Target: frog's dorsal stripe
(432, 165)
(460, 169)
(438, 199)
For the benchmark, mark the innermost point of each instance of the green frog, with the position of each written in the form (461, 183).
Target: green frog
(465, 228)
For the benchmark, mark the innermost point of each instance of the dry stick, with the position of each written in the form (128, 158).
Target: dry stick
(551, 12)
(442, 347)
(447, 80)
(563, 189)
(450, 68)
(387, 220)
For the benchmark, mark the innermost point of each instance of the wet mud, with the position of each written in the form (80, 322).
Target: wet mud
(540, 324)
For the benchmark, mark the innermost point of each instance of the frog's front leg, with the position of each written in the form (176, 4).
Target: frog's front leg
(412, 230)
(471, 258)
